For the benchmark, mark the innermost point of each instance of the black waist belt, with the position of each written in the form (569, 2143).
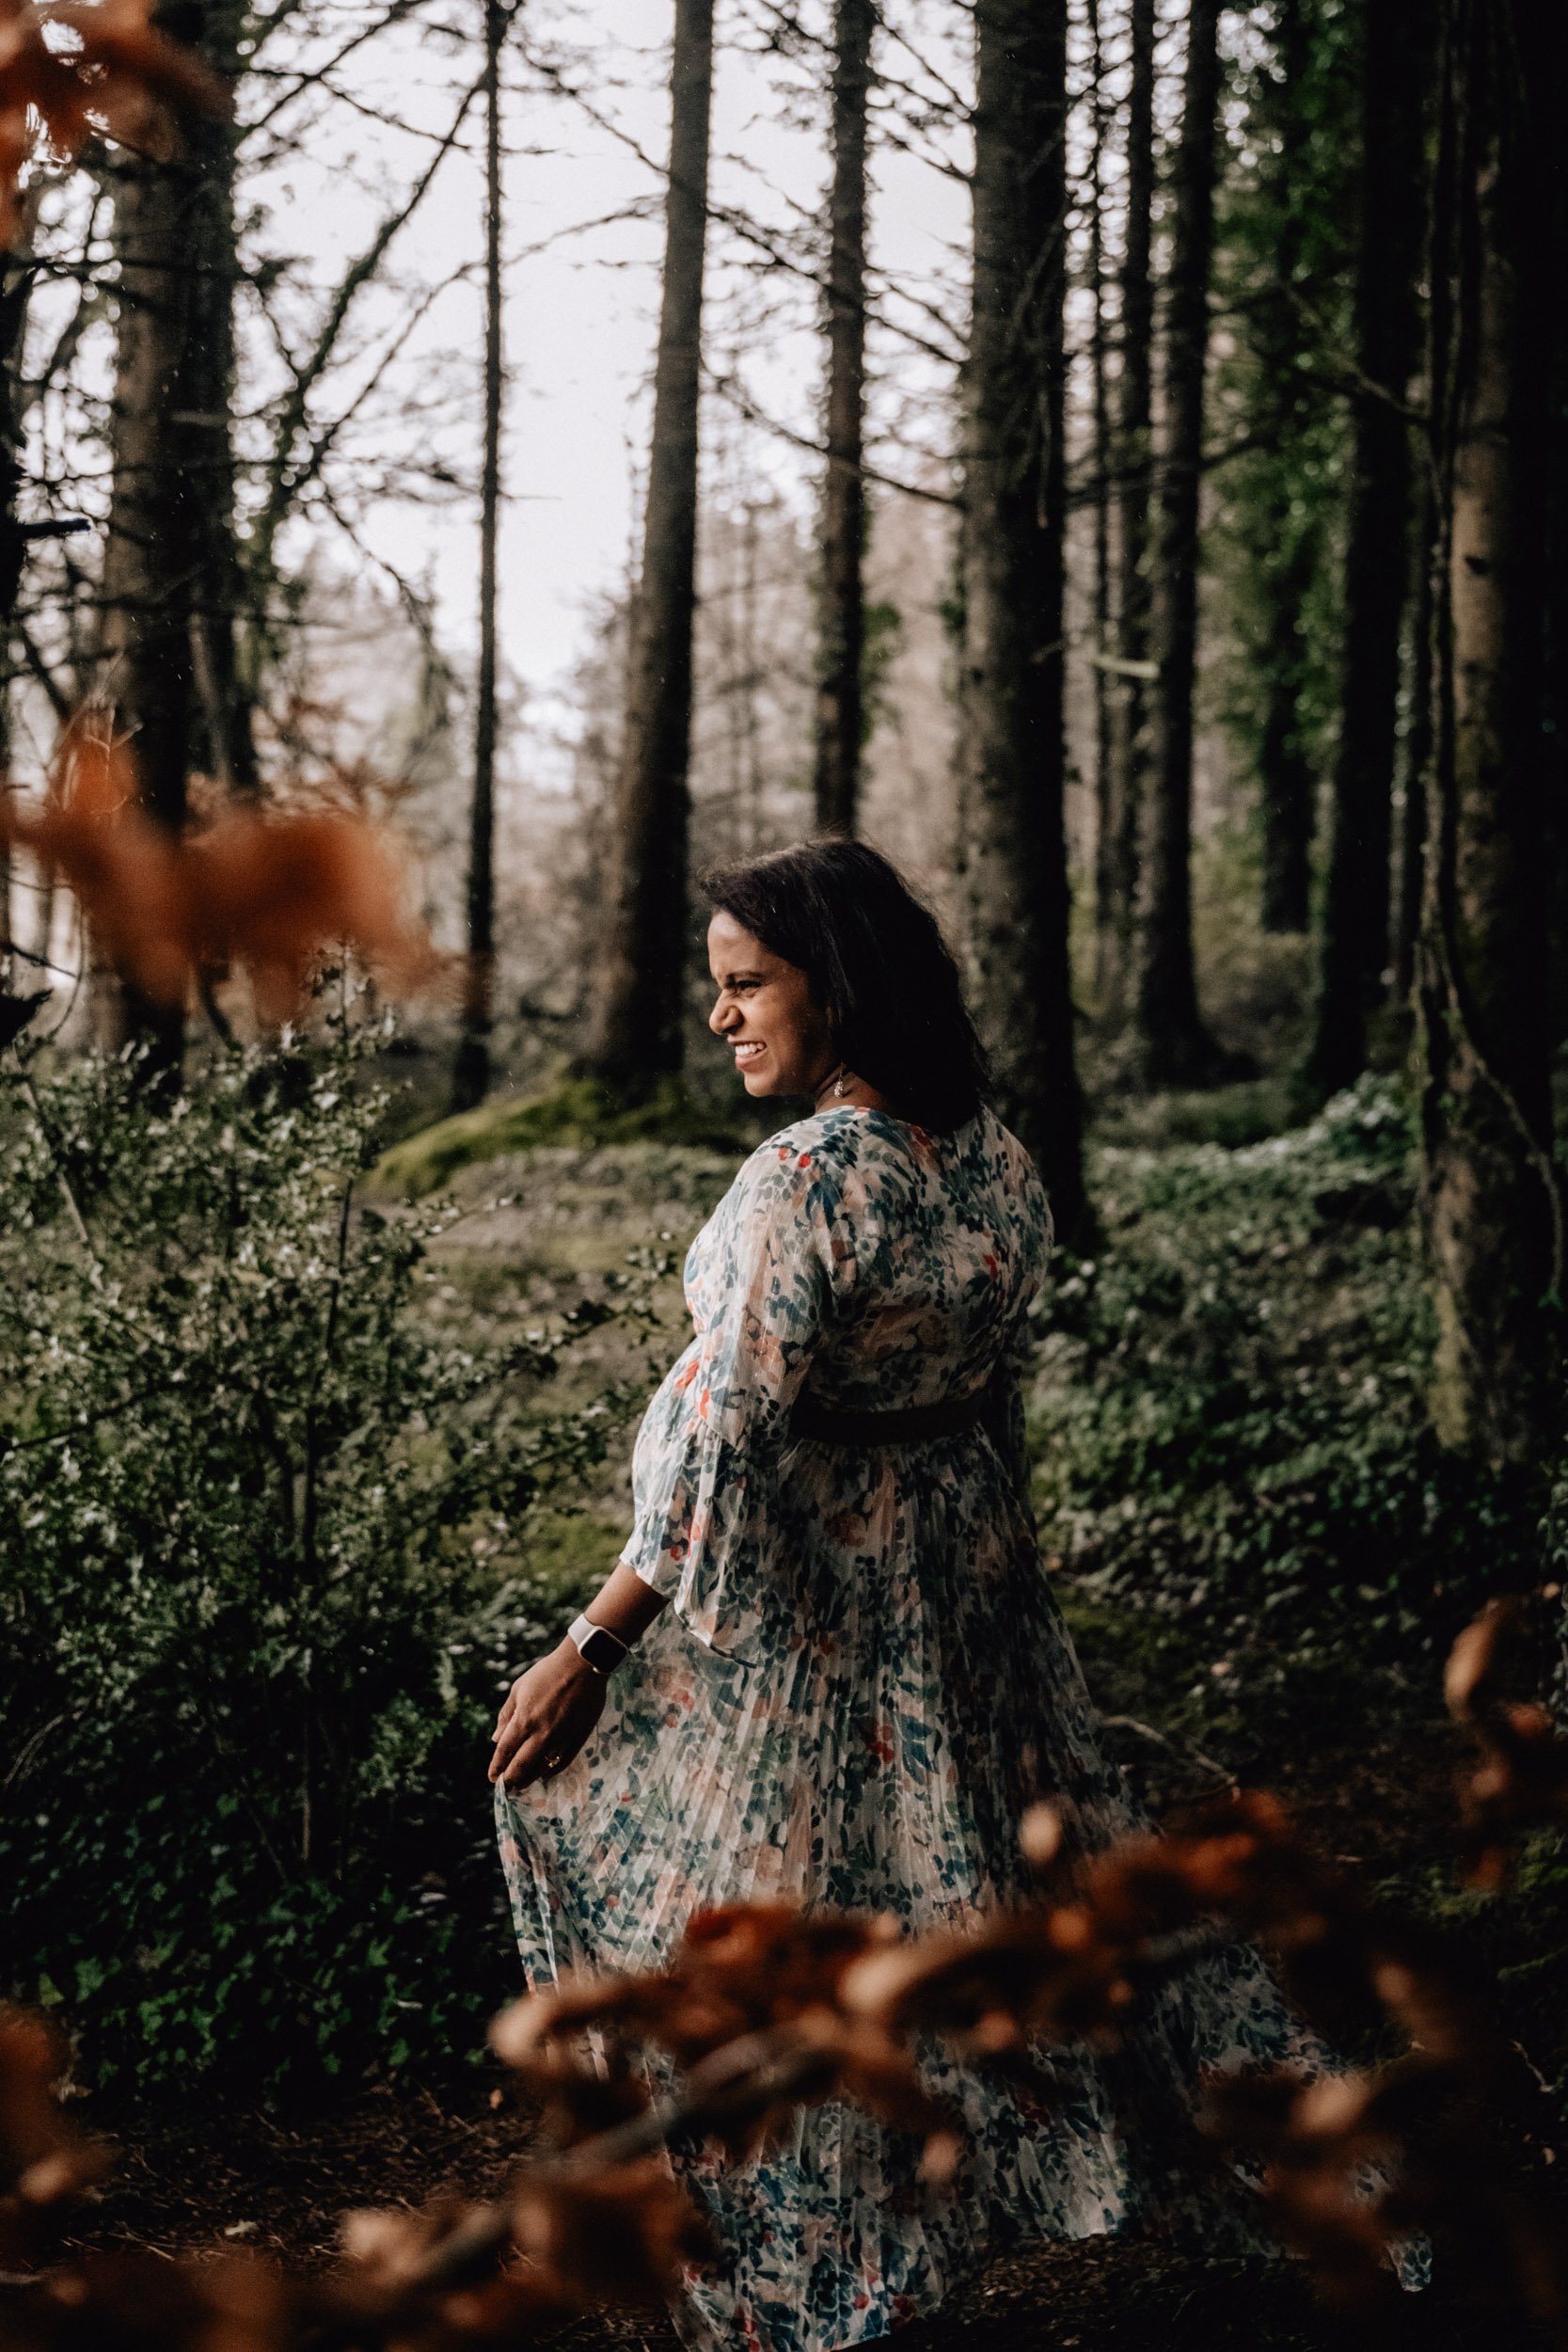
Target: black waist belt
(949, 1416)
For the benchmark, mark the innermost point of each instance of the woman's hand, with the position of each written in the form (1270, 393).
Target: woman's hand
(548, 1713)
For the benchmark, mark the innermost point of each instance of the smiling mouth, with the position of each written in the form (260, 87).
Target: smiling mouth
(751, 1050)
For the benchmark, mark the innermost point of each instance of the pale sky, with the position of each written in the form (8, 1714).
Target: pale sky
(581, 308)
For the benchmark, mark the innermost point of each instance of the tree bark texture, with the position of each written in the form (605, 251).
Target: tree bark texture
(16, 281)
(1415, 750)
(1284, 770)
(840, 697)
(1171, 1046)
(1012, 759)
(1286, 779)
(1491, 1197)
(169, 591)
(223, 739)
(1354, 975)
(1128, 713)
(471, 1069)
(1100, 459)
(637, 1028)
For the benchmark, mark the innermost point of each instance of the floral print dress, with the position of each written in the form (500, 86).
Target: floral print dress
(861, 1682)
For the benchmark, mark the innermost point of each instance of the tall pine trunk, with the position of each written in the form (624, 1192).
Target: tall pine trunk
(471, 1069)
(1286, 779)
(16, 284)
(16, 281)
(1492, 1202)
(636, 1034)
(167, 670)
(1353, 953)
(1414, 751)
(150, 550)
(1128, 711)
(1284, 770)
(223, 734)
(1171, 1046)
(1100, 414)
(840, 714)
(1012, 755)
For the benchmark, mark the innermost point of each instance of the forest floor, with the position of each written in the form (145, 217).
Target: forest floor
(1371, 1794)
(1364, 1763)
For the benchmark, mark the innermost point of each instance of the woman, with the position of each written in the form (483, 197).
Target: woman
(828, 1667)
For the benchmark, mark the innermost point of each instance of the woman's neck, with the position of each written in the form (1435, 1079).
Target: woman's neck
(841, 1087)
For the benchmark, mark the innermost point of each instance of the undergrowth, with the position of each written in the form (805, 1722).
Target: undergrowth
(1228, 1417)
(266, 1525)
(286, 1498)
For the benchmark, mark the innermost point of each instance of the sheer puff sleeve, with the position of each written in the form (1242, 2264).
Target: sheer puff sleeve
(761, 1281)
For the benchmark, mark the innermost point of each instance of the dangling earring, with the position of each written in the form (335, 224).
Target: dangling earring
(841, 1083)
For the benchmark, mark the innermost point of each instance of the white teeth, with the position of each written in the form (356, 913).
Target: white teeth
(748, 1051)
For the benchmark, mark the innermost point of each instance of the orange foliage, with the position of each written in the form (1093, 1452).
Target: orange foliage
(113, 72)
(265, 893)
(1521, 1781)
(45, 2165)
(763, 2007)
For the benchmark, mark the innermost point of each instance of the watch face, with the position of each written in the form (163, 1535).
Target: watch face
(603, 1650)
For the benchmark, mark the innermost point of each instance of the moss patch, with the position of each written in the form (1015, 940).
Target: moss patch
(578, 1112)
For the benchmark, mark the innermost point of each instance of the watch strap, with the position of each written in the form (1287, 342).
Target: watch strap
(596, 1646)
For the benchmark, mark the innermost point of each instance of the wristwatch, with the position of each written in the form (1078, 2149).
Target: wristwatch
(596, 1646)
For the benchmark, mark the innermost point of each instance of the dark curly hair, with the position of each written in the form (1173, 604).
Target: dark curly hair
(878, 964)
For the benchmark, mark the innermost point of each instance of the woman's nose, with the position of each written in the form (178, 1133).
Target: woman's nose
(717, 1018)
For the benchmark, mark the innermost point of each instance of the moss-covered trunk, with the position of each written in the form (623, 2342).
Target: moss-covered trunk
(1493, 1210)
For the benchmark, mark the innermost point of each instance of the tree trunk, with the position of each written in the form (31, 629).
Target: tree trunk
(1134, 409)
(16, 281)
(1353, 954)
(840, 712)
(1100, 459)
(1492, 1203)
(1284, 770)
(1286, 780)
(1172, 1048)
(150, 544)
(471, 1070)
(166, 647)
(1415, 755)
(223, 734)
(16, 284)
(637, 1034)
(1012, 759)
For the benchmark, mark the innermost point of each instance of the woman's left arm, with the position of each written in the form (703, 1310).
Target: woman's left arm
(697, 1543)
(551, 1710)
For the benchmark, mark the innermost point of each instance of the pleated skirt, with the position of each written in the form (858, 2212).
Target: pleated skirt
(922, 1692)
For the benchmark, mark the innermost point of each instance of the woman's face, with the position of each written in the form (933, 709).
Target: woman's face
(766, 1014)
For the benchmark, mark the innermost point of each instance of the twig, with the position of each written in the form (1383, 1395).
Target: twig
(1175, 1747)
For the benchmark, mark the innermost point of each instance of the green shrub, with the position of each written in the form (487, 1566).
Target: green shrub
(1230, 1416)
(263, 1528)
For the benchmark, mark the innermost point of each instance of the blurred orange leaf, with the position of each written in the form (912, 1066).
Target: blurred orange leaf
(106, 68)
(269, 894)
